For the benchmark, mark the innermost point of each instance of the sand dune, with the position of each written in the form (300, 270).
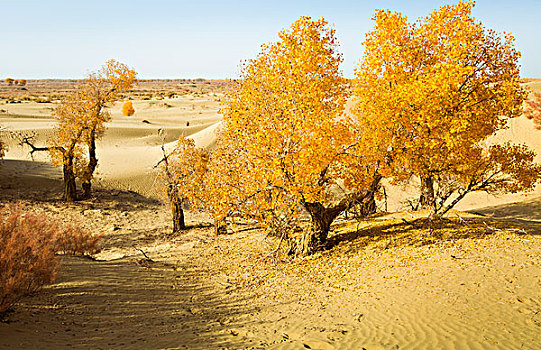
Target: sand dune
(131, 146)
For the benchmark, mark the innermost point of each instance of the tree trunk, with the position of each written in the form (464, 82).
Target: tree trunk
(220, 227)
(70, 189)
(315, 238)
(177, 213)
(86, 181)
(368, 206)
(427, 199)
(87, 189)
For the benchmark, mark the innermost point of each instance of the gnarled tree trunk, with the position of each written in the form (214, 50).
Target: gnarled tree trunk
(86, 179)
(315, 238)
(177, 212)
(70, 188)
(427, 199)
(322, 217)
(368, 206)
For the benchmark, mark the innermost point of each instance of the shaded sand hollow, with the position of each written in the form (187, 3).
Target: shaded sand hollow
(383, 285)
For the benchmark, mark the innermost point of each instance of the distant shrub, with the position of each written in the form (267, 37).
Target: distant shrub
(9, 81)
(127, 109)
(22, 82)
(28, 243)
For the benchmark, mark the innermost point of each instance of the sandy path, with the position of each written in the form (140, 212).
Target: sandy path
(119, 305)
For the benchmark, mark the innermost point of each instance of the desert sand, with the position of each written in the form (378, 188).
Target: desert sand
(384, 284)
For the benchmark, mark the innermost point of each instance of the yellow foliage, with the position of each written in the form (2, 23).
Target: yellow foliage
(127, 109)
(433, 91)
(185, 169)
(282, 150)
(82, 116)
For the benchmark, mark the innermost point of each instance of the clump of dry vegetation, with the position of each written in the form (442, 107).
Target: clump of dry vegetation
(28, 246)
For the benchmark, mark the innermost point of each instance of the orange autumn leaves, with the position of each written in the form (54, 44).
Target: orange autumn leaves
(127, 109)
(432, 93)
(81, 117)
(282, 126)
(428, 96)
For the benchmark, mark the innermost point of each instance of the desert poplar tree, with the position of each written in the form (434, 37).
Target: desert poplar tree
(183, 171)
(98, 91)
(81, 118)
(282, 148)
(432, 93)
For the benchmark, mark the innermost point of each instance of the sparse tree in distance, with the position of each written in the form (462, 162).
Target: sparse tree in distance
(281, 152)
(183, 171)
(127, 109)
(99, 90)
(22, 82)
(432, 93)
(9, 81)
(81, 120)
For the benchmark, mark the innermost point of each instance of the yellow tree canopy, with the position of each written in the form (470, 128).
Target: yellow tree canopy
(127, 109)
(82, 115)
(185, 170)
(433, 91)
(282, 122)
(285, 134)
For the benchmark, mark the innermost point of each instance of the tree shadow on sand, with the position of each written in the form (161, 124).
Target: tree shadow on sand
(119, 305)
(526, 213)
(42, 182)
(387, 233)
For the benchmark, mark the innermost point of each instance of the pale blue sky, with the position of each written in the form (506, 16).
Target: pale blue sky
(207, 38)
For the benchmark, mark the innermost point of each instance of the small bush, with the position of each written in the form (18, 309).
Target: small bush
(27, 255)
(127, 109)
(28, 243)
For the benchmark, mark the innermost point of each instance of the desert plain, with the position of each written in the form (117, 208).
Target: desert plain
(382, 284)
